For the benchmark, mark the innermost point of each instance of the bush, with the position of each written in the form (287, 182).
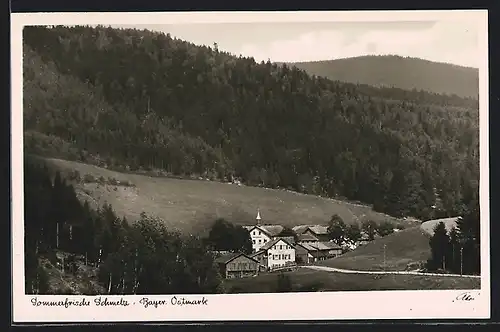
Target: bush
(89, 178)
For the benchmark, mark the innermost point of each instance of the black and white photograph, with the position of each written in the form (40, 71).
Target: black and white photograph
(233, 166)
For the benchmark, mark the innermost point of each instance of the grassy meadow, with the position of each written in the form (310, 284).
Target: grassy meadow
(305, 280)
(192, 205)
(408, 246)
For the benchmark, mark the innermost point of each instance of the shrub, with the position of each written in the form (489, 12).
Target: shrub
(89, 178)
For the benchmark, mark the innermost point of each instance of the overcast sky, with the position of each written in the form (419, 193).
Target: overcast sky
(454, 42)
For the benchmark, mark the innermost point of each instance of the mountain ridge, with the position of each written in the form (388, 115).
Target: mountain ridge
(392, 71)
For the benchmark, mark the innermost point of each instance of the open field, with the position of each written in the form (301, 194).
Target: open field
(402, 248)
(449, 223)
(310, 280)
(192, 205)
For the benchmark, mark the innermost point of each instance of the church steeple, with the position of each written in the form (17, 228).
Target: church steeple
(258, 218)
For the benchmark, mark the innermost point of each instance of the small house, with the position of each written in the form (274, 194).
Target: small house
(307, 238)
(318, 232)
(237, 265)
(319, 251)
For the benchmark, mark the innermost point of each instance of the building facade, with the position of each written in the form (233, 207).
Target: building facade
(303, 255)
(313, 233)
(321, 251)
(237, 265)
(261, 234)
(280, 253)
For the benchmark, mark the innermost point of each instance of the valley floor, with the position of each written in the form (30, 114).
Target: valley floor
(312, 280)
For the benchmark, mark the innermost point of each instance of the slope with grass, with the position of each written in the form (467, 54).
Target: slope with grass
(304, 280)
(402, 249)
(399, 72)
(428, 226)
(193, 205)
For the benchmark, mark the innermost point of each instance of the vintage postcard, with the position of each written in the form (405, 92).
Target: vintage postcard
(246, 166)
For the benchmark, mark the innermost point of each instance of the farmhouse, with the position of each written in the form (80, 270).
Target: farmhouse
(237, 265)
(262, 234)
(276, 253)
(312, 252)
(317, 232)
(307, 238)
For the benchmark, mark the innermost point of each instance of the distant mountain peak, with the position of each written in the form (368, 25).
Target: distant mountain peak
(399, 71)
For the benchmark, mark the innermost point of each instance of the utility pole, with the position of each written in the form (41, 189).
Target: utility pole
(109, 286)
(57, 236)
(384, 257)
(461, 260)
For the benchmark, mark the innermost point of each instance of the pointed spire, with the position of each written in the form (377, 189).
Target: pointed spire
(258, 218)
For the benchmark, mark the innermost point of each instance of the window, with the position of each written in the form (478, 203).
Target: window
(260, 241)
(253, 241)
(260, 233)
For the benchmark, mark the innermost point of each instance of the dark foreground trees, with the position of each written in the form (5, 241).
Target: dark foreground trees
(457, 250)
(141, 258)
(226, 236)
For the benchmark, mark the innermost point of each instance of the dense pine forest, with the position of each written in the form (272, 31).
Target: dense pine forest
(131, 99)
(134, 100)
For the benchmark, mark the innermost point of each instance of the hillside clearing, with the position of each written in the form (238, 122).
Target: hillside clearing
(449, 223)
(193, 205)
(304, 280)
(409, 246)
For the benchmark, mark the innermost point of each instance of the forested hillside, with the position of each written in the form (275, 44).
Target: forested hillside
(131, 99)
(400, 72)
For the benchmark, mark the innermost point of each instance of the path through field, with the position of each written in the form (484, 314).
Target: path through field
(332, 269)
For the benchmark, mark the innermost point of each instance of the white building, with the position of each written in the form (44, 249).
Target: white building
(277, 253)
(262, 234)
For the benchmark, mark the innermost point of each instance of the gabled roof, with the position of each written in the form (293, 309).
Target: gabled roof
(316, 229)
(226, 258)
(320, 246)
(303, 245)
(307, 237)
(260, 252)
(290, 239)
(269, 244)
(300, 229)
(326, 245)
(319, 229)
(270, 230)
